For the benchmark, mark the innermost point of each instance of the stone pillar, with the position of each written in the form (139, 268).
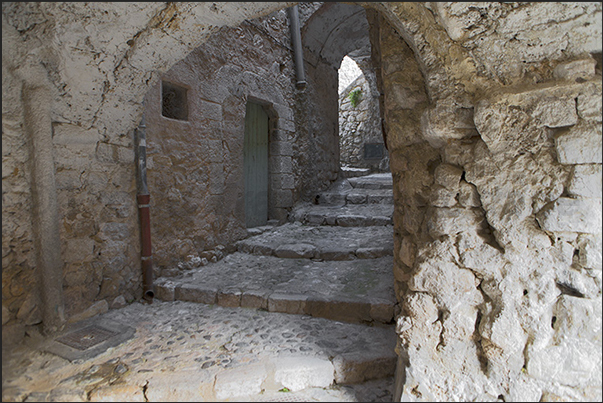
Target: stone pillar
(47, 241)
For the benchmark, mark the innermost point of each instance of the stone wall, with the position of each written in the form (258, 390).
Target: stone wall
(195, 166)
(360, 125)
(497, 223)
(73, 249)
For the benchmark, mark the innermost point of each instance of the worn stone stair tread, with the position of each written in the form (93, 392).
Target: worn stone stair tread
(358, 290)
(293, 240)
(182, 351)
(355, 196)
(373, 181)
(350, 215)
(350, 172)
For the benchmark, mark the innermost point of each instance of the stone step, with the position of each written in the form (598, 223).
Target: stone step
(350, 215)
(373, 181)
(182, 351)
(354, 291)
(355, 196)
(294, 241)
(349, 172)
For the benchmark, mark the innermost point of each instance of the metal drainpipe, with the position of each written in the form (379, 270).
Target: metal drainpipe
(143, 199)
(297, 47)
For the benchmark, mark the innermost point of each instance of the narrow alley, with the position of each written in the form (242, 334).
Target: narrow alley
(300, 312)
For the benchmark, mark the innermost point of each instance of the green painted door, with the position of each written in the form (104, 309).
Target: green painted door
(255, 151)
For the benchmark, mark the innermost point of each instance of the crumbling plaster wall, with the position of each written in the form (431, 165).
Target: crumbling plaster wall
(497, 222)
(493, 122)
(195, 167)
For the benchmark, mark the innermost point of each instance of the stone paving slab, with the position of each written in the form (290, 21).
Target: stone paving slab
(350, 215)
(373, 181)
(183, 351)
(293, 240)
(358, 290)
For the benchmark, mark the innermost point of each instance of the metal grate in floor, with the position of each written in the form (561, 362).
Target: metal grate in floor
(87, 337)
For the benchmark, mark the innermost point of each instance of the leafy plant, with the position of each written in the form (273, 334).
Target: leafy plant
(285, 390)
(355, 97)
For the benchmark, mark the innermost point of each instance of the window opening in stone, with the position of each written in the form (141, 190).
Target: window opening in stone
(174, 102)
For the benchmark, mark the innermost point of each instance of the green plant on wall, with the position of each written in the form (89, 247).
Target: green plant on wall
(355, 97)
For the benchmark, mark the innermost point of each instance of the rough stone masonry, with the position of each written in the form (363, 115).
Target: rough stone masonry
(492, 115)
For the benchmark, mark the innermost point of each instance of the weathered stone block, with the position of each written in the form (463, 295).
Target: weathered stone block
(79, 250)
(408, 251)
(443, 197)
(590, 251)
(586, 181)
(281, 164)
(343, 310)
(574, 215)
(382, 311)
(215, 151)
(243, 381)
(216, 178)
(287, 303)
(229, 298)
(355, 198)
(332, 199)
(380, 199)
(584, 68)
(257, 299)
(68, 134)
(556, 112)
(589, 106)
(315, 218)
(296, 251)
(333, 253)
(297, 373)
(191, 293)
(207, 110)
(581, 144)
(282, 148)
(451, 221)
(284, 198)
(373, 253)
(448, 176)
(571, 363)
(576, 318)
(114, 231)
(468, 195)
(112, 153)
(286, 124)
(357, 367)
(351, 220)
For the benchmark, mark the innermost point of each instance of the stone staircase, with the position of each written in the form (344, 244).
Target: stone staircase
(332, 261)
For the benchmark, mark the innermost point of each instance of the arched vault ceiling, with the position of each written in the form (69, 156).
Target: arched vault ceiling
(335, 30)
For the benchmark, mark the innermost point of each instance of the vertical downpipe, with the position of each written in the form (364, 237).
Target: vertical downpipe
(297, 47)
(143, 199)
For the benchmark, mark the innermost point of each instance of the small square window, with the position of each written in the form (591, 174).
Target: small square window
(174, 103)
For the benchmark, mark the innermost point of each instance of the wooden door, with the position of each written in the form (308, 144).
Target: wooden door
(255, 151)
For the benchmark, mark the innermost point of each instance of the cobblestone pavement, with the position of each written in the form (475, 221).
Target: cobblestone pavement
(186, 351)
